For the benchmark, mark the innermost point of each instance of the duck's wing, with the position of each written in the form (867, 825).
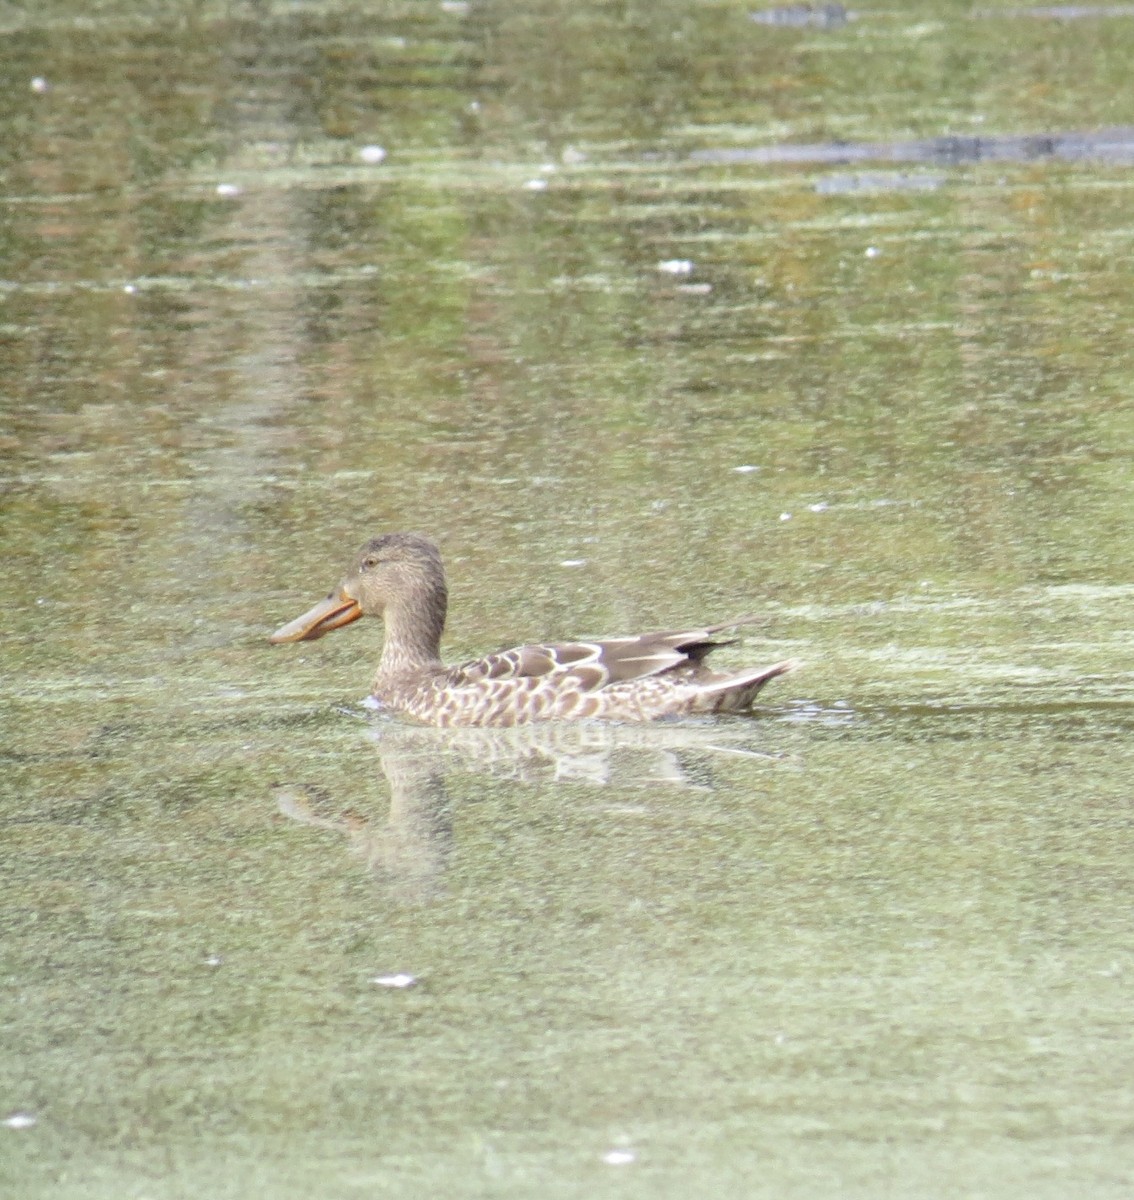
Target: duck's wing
(590, 665)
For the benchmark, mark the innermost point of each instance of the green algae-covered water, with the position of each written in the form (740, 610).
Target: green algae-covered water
(649, 314)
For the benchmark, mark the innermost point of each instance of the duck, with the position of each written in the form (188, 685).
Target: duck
(400, 578)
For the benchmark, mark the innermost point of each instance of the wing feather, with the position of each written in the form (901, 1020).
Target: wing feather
(593, 665)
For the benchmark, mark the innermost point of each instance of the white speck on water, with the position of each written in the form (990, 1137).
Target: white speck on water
(401, 980)
(372, 154)
(695, 289)
(746, 468)
(822, 506)
(785, 516)
(572, 156)
(228, 189)
(213, 960)
(619, 1158)
(20, 1120)
(39, 85)
(371, 702)
(536, 185)
(130, 289)
(872, 251)
(676, 266)
(455, 8)
(573, 562)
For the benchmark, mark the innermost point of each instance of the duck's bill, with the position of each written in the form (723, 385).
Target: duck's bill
(333, 613)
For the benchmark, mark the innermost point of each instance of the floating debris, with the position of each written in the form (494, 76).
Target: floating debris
(536, 185)
(619, 1158)
(40, 85)
(20, 1120)
(373, 155)
(400, 980)
(746, 469)
(838, 714)
(573, 562)
(872, 252)
(228, 189)
(676, 266)
(877, 181)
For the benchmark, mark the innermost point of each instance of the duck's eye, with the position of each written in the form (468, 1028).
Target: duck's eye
(370, 561)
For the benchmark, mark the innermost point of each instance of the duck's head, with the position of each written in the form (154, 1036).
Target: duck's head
(396, 574)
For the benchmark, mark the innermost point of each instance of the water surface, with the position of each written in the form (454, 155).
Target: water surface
(566, 288)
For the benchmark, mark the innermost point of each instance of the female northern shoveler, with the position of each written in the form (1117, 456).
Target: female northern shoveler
(399, 577)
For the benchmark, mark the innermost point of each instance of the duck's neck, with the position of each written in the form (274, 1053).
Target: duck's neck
(413, 635)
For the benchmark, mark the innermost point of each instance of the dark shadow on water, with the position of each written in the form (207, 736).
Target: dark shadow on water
(1061, 12)
(1114, 146)
(804, 16)
(835, 16)
(408, 853)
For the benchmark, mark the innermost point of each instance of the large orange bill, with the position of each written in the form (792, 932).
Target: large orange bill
(336, 611)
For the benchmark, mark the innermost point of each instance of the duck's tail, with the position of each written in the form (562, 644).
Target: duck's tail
(735, 692)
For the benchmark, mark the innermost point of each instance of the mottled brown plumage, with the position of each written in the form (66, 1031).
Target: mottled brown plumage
(400, 578)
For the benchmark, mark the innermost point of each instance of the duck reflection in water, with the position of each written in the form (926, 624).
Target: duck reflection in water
(409, 852)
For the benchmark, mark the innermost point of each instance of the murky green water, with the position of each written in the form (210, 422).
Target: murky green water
(703, 305)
